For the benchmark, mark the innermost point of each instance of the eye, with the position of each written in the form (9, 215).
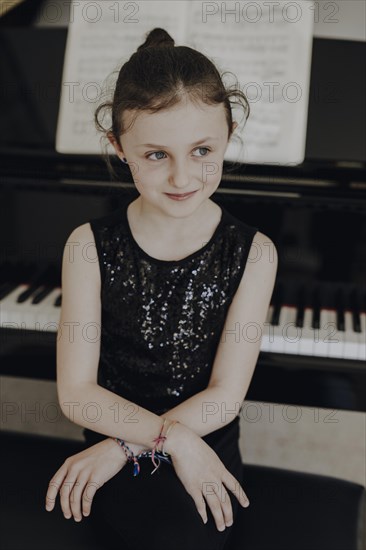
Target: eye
(203, 148)
(156, 153)
(162, 152)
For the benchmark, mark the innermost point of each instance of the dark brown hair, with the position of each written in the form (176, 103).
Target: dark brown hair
(157, 76)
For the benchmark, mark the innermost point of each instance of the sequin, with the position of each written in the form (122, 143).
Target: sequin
(162, 320)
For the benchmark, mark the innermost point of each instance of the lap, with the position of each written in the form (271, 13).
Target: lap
(156, 512)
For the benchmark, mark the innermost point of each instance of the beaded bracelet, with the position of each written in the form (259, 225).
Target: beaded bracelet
(160, 455)
(130, 457)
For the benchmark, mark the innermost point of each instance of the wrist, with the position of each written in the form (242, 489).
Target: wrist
(133, 447)
(137, 449)
(117, 451)
(177, 438)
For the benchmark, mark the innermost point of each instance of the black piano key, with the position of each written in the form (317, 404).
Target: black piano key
(300, 305)
(7, 288)
(23, 296)
(40, 277)
(340, 301)
(315, 323)
(277, 304)
(43, 293)
(355, 308)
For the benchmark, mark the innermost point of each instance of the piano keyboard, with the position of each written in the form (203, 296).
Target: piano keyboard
(323, 341)
(300, 330)
(24, 310)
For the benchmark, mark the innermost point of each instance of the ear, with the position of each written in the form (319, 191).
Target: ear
(115, 145)
(234, 125)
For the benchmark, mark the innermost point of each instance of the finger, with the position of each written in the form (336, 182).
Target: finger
(88, 495)
(234, 486)
(211, 492)
(226, 506)
(200, 505)
(76, 496)
(65, 495)
(54, 487)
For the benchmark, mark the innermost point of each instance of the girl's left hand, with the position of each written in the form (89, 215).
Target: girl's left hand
(81, 475)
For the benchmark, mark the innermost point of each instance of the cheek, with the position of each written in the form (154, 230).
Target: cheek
(144, 175)
(211, 172)
(148, 184)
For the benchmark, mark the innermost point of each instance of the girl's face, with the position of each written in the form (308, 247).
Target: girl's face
(176, 151)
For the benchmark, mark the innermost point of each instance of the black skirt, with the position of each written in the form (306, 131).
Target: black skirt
(156, 511)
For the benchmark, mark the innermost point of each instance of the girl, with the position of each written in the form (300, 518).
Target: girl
(173, 293)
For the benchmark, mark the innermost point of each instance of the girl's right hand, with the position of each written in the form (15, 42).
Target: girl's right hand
(81, 475)
(203, 474)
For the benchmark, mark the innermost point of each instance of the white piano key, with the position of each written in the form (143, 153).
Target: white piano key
(326, 334)
(12, 311)
(307, 334)
(47, 315)
(291, 333)
(352, 340)
(336, 338)
(277, 344)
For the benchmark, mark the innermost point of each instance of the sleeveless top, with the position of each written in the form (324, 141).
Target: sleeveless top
(162, 319)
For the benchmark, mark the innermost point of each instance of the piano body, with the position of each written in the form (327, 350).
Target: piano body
(314, 346)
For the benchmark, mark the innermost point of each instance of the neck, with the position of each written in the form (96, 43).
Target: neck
(160, 225)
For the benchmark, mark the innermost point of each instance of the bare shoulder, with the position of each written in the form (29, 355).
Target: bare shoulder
(82, 233)
(262, 261)
(80, 254)
(265, 249)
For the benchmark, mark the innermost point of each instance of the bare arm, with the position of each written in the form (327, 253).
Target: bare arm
(98, 409)
(202, 413)
(81, 399)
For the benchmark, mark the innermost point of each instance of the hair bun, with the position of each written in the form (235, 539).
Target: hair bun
(157, 38)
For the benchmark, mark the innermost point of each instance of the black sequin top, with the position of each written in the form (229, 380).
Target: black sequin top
(162, 320)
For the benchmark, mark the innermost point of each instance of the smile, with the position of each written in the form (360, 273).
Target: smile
(180, 196)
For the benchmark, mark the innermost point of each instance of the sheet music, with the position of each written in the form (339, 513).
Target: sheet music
(271, 57)
(268, 48)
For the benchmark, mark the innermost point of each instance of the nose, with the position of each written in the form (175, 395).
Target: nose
(179, 177)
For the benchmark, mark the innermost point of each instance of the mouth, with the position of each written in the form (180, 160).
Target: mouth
(180, 196)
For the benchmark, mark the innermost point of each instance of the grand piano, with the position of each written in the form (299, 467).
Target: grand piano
(313, 351)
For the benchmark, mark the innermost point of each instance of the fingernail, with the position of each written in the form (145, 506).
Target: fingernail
(222, 528)
(229, 523)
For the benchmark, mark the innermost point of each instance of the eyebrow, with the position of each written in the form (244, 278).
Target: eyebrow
(192, 145)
